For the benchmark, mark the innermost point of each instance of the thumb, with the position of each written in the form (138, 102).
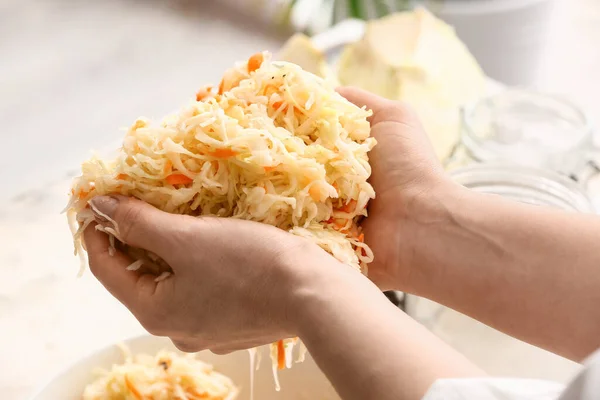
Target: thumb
(362, 98)
(383, 109)
(136, 223)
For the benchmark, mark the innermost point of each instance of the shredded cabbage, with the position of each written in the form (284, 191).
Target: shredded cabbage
(164, 376)
(273, 144)
(276, 145)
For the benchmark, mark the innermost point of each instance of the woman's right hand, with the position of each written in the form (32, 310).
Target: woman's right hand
(409, 183)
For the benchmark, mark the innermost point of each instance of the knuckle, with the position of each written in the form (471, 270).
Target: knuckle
(222, 351)
(187, 346)
(128, 220)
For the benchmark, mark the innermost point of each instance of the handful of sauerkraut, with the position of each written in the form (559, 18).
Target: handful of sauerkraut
(166, 375)
(273, 143)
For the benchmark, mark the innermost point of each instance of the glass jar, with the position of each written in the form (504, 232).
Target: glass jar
(527, 128)
(525, 184)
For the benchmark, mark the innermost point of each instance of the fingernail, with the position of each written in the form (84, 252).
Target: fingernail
(104, 206)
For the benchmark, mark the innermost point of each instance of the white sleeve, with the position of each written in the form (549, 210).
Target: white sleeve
(586, 386)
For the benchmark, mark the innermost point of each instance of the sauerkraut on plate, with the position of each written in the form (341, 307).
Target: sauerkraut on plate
(165, 376)
(272, 143)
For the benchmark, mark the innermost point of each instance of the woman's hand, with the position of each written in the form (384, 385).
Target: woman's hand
(409, 183)
(236, 284)
(531, 272)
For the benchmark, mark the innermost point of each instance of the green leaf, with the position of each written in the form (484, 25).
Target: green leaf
(355, 8)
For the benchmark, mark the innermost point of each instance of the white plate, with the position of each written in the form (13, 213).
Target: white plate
(303, 381)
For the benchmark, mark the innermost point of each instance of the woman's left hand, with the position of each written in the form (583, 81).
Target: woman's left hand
(235, 284)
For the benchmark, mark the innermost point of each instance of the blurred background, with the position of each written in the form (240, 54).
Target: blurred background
(73, 72)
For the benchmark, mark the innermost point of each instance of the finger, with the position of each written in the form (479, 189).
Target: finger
(224, 351)
(137, 223)
(129, 287)
(362, 98)
(383, 109)
(189, 345)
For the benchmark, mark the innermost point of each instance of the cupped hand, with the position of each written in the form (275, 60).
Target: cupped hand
(235, 284)
(408, 180)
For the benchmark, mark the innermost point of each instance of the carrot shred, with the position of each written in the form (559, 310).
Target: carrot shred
(277, 105)
(255, 62)
(133, 389)
(361, 238)
(195, 393)
(168, 167)
(280, 355)
(138, 124)
(203, 93)
(336, 187)
(122, 176)
(223, 153)
(83, 193)
(270, 168)
(178, 179)
(230, 80)
(339, 224)
(348, 208)
(274, 87)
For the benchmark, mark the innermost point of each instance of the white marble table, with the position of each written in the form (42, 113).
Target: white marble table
(70, 73)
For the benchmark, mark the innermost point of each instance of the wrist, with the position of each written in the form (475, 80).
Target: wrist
(430, 215)
(330, 289)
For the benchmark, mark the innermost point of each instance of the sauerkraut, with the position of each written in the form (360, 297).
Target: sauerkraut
(165, 376)
(272, 143)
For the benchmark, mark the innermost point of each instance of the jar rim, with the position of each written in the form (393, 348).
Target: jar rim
(524, 184)
(476, 146)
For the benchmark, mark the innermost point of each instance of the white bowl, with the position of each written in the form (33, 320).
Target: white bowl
(303, 381)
